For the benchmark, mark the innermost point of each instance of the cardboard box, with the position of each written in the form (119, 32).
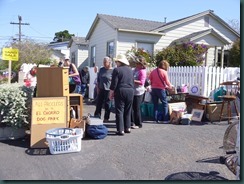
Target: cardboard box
(38, 134)
(47, 113)
(172, 91)
(175, 117)
(213, 111)
(78, 123)
(176, 106)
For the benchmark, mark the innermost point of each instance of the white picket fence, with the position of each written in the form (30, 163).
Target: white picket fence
(206, 78)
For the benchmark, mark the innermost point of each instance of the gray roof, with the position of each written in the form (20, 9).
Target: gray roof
(78, 41)
(130, 23)
(133, 24)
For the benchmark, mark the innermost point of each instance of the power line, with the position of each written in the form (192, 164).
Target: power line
(19, 23)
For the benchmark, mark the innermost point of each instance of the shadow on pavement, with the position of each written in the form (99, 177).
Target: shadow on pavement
(21, 142)
(195, 176)
(38, 151)
(215, 160)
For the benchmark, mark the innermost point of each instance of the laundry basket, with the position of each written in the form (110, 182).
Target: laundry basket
(64, 140)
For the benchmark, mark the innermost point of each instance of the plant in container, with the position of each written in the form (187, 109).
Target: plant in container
(15, 110)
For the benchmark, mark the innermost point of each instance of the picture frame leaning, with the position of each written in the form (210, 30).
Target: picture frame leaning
(197, 115)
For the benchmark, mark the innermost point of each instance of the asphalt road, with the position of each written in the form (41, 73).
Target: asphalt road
(154, 152)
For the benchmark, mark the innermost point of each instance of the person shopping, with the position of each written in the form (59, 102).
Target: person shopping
(140, 75)
(122, 90)
(103, 87)
(73, 74)
(159, 82)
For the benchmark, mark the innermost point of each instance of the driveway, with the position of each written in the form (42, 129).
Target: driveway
(154, 152)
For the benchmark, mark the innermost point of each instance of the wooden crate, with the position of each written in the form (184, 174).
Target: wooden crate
(213, 111)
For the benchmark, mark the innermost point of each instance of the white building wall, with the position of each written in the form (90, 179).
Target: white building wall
(128, 40)
(177, 32)
(210, 56)
(99, 38)
(82, 56)
(222, 30)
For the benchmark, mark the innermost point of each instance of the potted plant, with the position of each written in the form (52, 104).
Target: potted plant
(15, 110)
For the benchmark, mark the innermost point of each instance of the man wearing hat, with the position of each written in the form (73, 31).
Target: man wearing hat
(140, 75)
(122, 90)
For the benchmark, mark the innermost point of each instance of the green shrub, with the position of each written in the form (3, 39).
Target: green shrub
(235, 54)
(15, 105)
(135, 52)
(186, 54)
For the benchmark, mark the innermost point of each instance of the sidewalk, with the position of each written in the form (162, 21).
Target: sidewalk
(154, 152)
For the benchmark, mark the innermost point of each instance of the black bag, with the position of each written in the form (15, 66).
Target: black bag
(97, 131)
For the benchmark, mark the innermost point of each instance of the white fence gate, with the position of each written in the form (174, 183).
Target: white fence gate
(206, 78)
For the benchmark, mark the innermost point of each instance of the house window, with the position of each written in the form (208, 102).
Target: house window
(93, 55)
(206, 21)
(226, 58)
(146, 46)
(73, 57)
(110, 49)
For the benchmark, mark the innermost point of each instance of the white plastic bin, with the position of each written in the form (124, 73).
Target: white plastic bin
(64, 140)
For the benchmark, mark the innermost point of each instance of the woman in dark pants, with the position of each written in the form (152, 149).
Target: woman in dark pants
(103, 86)
(122, 90)
(140, 75)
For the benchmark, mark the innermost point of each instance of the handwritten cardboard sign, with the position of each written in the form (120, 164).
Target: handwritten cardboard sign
(49, 110)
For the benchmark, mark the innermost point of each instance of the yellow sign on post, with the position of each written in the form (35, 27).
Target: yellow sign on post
(10, 54)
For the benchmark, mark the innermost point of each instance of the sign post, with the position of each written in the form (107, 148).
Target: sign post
(11, 55)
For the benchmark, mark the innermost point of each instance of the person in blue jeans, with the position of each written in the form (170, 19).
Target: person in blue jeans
(159, 83)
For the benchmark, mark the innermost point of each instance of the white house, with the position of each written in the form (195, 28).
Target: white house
(110, 35)
(62, 47)
(78, 47)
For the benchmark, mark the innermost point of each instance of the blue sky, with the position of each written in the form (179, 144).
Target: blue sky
(46, 17)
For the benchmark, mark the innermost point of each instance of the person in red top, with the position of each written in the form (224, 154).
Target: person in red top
(159, 82)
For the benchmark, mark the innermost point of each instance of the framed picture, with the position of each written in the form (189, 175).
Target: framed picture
(197, 114)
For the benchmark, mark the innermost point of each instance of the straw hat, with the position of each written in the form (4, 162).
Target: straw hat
(122, 58)
(142, 61)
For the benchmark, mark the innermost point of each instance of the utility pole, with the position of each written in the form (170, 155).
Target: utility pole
(20, 19)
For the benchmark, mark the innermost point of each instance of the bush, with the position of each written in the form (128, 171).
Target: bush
(187, 54)
(134, 52)
(235, 54)
(15, 105)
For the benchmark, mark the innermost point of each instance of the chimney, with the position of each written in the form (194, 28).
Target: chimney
(165, 19)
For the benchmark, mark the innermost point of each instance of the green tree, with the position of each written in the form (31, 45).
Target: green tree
(62, 36)
(235, 54)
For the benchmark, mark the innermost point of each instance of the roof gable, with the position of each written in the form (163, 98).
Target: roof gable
(197, 35)
(186, 19)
